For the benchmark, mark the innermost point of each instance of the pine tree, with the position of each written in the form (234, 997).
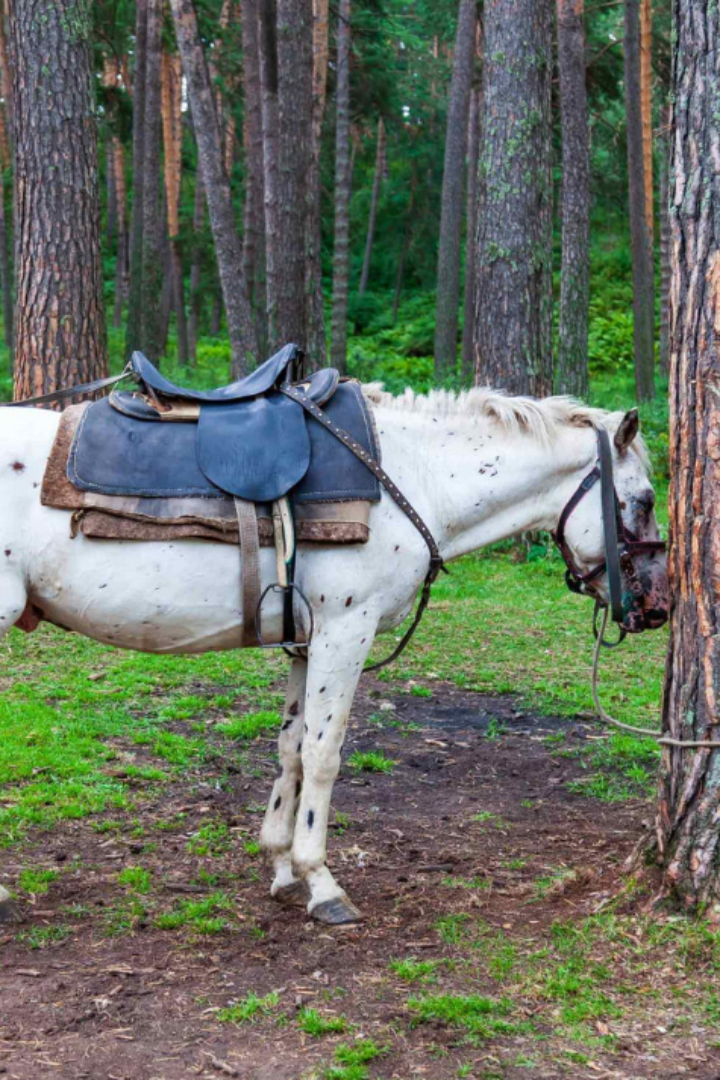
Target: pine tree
(338, 352)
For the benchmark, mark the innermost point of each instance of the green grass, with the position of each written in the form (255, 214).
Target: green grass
(211, 839)
(36, 881)
(483, 1016)
(251, 1007)
(207, 916)
(411, 970)
(42, 937)
(250, 725)
(352, 1060)
(137, 879)
(371, 761)
(317, 1024)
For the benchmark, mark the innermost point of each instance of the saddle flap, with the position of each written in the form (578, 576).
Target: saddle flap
(258, 450)
(260, 381)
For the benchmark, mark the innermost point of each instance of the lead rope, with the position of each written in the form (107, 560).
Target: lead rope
(605, 718)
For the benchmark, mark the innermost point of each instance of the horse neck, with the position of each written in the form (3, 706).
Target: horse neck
(474, 482)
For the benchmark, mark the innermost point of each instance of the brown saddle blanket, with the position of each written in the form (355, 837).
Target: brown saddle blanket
(120, 517)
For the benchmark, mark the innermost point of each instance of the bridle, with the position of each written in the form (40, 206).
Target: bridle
(621, 544)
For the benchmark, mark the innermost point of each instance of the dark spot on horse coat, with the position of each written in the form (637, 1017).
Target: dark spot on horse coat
(287, 724)
(348, 602)
(320, 735)
(293, 710)
(299, 747)
(8, 552)
(298, 789)
(322, 598)
(311, 818)
(278, 802)
(321, 690)
(17, 466)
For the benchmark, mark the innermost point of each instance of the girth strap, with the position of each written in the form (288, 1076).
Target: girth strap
(610, 513)
(249, 568)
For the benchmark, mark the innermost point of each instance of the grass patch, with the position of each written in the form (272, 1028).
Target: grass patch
(250, 725)
(42, 937)
(316, 1024)
(352, 1060)
(411, 970)
(37, 881)
(137, 879)
(482, 1016)
(211, 839)
(371, 761)
(206, 916)
(251, 1007)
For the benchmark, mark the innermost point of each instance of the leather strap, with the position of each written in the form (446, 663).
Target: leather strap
(610, 514)
(249, 568)
(67, 392)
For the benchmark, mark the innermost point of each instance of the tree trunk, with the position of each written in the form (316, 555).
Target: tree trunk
(295, 96)
(640, 242)
(646, 110)
(5, 272)
(267, 42)
(228, 248)
(571, 373)
(196, 265)
(315, 315)
(6, 82)
(451, 205)
(513, 330)
(689, 796)
(121, 262)
(254, 212)
(153, 219)
(172, 141)
(374, 198)
(111, 213)
(132, 330)
(409, 223)
(60, 316)
(338, 347)
(468, 355)
(665, 242)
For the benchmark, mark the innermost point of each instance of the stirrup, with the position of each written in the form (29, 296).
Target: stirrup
(286, 591)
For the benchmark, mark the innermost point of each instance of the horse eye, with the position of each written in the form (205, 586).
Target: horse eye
(646, 501)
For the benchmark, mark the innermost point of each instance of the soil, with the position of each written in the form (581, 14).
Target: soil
(141, 1004)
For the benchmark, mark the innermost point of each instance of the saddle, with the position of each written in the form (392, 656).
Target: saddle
(248, 440)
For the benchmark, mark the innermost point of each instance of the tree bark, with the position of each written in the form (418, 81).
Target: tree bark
(6, 81)
(341, 247)
(640, 241)
(267, 42)
(134, 315)
(228, 248)
(172, 142)
(254, 213)
(571, 373)
(665, 242)
(153, 220)
(646, 86)
(374, 199)
(121, 262)
(451, 205)
(407, 238)
(513, 329)
(196, 265)
(60, 316)
(315, 315)
(5, 272)
(295, 114)
(689, 796)
(471, 208)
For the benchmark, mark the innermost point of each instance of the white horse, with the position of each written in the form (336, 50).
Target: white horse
(478, 467)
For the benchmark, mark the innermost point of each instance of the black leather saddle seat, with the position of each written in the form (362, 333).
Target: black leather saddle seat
(247, 440)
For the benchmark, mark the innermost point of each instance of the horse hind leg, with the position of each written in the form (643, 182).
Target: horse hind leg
(279, 824)
(13, 600)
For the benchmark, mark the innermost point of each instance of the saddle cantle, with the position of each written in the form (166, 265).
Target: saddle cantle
(246, 440)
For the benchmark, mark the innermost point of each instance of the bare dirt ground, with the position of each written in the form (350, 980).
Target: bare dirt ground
(141, 1003)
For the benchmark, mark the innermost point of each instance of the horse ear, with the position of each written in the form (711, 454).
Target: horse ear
(627, 430)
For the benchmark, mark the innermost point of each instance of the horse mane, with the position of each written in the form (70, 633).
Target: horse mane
(539, 418)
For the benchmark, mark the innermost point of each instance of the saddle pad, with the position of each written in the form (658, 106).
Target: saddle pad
(116, 454)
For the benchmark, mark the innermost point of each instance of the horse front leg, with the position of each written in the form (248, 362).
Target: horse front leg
(336, 659)
(277, 832)
(13, 599)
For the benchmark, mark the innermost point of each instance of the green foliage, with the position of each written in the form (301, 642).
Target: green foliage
(251, 1007)
(250, 725)
(371, 761)
(36, 881)
(317, 1024)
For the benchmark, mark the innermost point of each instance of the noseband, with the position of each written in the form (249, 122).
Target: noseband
(621, 545)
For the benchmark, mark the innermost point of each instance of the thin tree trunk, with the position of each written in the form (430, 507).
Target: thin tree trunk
(646, 82)
(121, 262)
(153, 219)
(338, 346)
(665, 242)
(5, 147)
(409, 223)
(196, 265)
(167, 293)
(228, 248)
(571, 373)
(60, 316)
(254, 211)
(688, 810)
(132, 330)
(111, 214)
(468, 354)
(374, 198)
(172, 141)
(513, 330)
(315, 315)
(640, 242)
(5, 272)
(295, 73)
(451, 204)
(267, 41)
(6, 81)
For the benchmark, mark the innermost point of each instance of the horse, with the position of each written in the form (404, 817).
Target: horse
(478, 466)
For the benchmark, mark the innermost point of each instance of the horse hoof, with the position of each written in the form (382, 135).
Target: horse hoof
(10, 912)
(295, 893)
(337, 912)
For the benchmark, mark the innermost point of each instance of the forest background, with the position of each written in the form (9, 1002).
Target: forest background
(402, 59)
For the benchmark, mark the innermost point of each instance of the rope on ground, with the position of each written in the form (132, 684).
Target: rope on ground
(663, 740)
